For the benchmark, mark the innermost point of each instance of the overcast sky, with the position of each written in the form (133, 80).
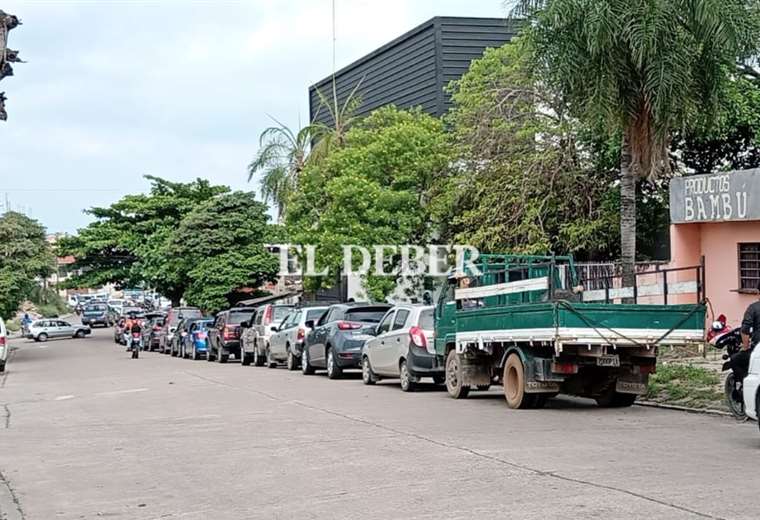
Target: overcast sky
(114, 90)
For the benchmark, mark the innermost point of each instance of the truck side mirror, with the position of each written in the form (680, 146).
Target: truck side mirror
(246, 324)
(309, 324)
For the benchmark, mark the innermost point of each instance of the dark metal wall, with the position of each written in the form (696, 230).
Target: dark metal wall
(413, 69)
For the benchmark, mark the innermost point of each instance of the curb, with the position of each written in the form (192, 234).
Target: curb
(703, 411)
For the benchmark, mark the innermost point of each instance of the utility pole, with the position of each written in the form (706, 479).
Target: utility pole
(8, 22)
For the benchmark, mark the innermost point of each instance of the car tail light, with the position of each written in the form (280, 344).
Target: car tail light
(647, 369)
(564, 368)
(230, 332)
(417, 335)
(301, 334)
(348, 325)
(2, 341)
(268, 315)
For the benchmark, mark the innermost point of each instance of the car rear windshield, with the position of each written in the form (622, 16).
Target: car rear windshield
(366, 314)
(426, 320)
(236, 318)
(314, 314)
(186, 313)
(96, 308)
(280, 311)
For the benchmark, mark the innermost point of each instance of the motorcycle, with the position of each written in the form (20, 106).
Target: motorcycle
(723, 337)
(135, 344)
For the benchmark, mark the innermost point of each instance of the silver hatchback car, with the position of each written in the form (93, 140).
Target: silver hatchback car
(42, 330)
(286, 341)
(403, 348)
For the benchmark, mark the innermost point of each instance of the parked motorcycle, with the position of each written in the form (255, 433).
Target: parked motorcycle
(723, 337)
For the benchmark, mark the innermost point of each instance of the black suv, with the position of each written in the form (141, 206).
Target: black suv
(224, 334)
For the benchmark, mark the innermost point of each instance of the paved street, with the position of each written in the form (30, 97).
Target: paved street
(90, 433)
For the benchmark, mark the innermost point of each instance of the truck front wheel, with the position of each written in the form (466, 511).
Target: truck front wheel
(514, 386)
(455, 376)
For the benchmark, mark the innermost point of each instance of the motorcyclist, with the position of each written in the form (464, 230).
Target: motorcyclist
(127, 331)
(25, 322)
(750, 338)
(135, 328)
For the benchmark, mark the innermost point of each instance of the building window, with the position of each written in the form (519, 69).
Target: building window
(749, 266)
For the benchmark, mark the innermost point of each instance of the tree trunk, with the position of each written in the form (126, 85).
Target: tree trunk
(627, 215)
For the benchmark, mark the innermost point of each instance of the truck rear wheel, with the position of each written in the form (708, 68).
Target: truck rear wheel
(455, 377)
(514, 386)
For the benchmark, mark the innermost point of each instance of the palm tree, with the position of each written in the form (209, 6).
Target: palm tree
(642, 67)
(281, 158)
(328, 137)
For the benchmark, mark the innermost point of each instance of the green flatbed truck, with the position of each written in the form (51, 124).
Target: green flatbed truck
(529, 324)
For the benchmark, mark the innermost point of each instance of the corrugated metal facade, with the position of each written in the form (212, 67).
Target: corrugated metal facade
(413, 69)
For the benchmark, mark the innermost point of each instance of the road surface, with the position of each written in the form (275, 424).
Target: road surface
(89, 433)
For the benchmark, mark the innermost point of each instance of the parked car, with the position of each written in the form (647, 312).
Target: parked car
(42, 330)
(751, 386)
(151, 327)
(336, 341)
(97, 314)
(224, 334)
(403, 348)
(256, 341)
(170, 324)
(194, 338)
(286, 342)
(4, 346)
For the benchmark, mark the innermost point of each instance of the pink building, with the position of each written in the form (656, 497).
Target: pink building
(718, 217)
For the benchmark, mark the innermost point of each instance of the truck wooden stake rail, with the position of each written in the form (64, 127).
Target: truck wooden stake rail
(527, 322)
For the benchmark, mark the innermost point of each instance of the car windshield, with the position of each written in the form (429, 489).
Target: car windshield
(426, 320)
(280, 311)
(366, 314)
(314, 314)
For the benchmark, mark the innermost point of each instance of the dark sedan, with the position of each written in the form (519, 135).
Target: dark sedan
(336, 340)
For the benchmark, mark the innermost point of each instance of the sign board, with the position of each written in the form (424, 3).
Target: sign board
(720, 197)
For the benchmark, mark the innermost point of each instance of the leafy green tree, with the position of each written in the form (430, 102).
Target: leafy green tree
(220, 247)
(529, 178)
(25, 256)
(732, 141)
(643, 68)
(127, 243)
(373, 189)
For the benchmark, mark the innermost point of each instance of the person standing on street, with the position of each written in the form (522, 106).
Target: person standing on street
(750, 338)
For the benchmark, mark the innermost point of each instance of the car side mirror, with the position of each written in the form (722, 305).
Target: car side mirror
(246, 324)
(274, 328)
(309, 324)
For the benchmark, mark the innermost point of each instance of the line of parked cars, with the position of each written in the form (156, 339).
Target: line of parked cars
(383, 341)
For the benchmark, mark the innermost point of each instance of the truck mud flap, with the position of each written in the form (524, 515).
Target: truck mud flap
(541, 387)
(475, 374)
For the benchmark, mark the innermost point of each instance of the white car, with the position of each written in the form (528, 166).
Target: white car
(286, 342)
(4, 346)
(42, 330)
(403, 348)
(751, 385)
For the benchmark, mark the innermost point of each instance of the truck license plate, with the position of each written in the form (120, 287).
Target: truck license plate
(612, 360)
(629, 387)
